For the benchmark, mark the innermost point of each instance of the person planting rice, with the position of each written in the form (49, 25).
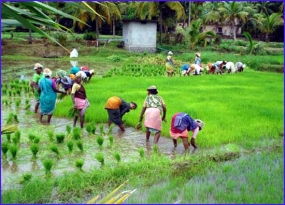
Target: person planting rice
(185, 69)
(66, 83)
(116, 108)
(153, 107)
(48, 92)
(79, 99)
(169, 64)
(89, 73)
(35, 84)
(181, 124)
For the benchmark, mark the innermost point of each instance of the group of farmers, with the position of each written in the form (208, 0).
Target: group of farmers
(45, 87)
(196, 68)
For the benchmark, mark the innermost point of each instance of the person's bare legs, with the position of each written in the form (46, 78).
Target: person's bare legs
(41, 118)
(75, 120)
(156, 137)
(37, 107)
(185, 143)
(174, 142)
(122, 127)
(82, 115)
(147, 135)
(49, 118)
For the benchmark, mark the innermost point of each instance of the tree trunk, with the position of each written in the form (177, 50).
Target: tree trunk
(114, 27)
(267, 37)
(234, 30)
(97, 28)
(30, 37)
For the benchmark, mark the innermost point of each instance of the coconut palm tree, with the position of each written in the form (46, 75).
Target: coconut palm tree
(213, 14)
(233, 13)
(147, 10)
(268, 24)
(193, 35)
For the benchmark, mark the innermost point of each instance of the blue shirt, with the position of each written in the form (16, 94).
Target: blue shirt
(185, 67)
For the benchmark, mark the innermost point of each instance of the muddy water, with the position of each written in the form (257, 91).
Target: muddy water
(126, 143)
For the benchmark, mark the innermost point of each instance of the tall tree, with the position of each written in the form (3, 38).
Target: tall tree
(268, 24)
(147, 10)
(233, 12)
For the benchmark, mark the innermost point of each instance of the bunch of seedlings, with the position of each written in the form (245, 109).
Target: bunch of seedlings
(117, 156)
(80, 145)
(5, 148)
(54, 149)
(141, 152)
(35, 149)
(100, 141)
(100, 158)
(13, 148)
(79, 164)
(60, 138)
(48, 164)
(70, 146)
(111, 139)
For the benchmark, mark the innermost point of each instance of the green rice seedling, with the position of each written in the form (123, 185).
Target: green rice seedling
(50, 135)
(141, 152)
(4, 91)
(18, 91)
(93, 128)
(17, 134)
(10, 93)
(117, 156)
(25, 178)
(89, 128)
(155, 149)
(70, 146)
(100, 141)
(8, 137)
(80, 145)
(35, 149)
(15, 117)
(48, 164)
(101, 129)
(5, 148)
(100, 158)
(13, 148)
(27, 106)
(76, 133)
(59, 138)
(36, 140)
(54, 149)
(27, 101)
(10, 118)
(68, 129)
(31, 137)
(111, 140)
(15, 139)
(79, 164)
(110, 128)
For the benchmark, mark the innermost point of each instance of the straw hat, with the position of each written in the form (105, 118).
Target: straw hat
(200, 123)
(198, 54)
(38, 65)
(47, 72)
(170, 53)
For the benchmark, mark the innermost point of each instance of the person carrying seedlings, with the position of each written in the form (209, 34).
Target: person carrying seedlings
(181, 124)
(155, 112)
(48, 92)
(79, 99)
(116, 108)
(35, 84)
(169, 64)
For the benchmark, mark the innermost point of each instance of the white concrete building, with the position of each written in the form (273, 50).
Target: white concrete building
(140, 35)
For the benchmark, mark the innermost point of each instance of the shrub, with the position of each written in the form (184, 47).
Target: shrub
(89, 36)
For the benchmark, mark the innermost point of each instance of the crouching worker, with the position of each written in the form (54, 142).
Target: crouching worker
(116, 108)
(181, 124)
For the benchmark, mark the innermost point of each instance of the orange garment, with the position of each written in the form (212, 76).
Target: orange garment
(113, 103)
(72, 76)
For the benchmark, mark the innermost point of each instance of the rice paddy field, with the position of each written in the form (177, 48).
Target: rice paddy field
(240, 158)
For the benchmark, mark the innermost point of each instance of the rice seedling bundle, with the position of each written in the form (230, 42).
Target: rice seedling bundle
(72, 112)
(80, 145)
(17, 134)
(8, 137)
(68, 129)
(54, 149)
(111, 139)
(31, 137)
(100, 140)
(13, 150)
(117, 156)
(59, 138)
(79, 164)
(155, 149)
(37, 140)
(48, 164)
(100, 158)
(5, 148)
(50, 135)
(25, 178)
(76, 133)
(70, 146)
(101, 129)
(141, 152)
(89, 128)
(35, 149)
